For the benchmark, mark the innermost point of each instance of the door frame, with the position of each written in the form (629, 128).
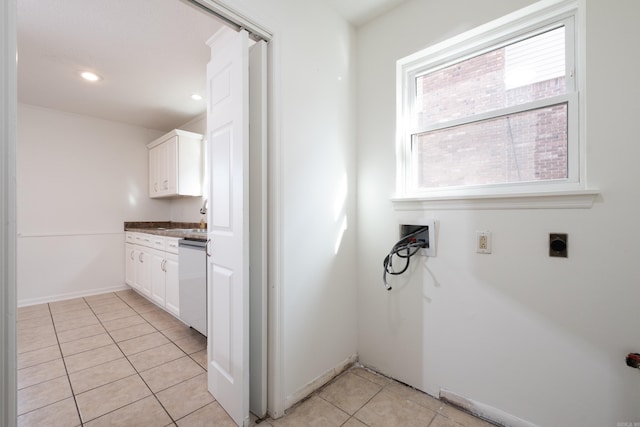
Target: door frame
(258, 228)
(8, 128)
(8, 122)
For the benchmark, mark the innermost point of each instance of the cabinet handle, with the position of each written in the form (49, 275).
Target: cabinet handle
(155, 186)
(166, 184)
(140, 257)
(131, 255)
(164, 261)
(206, 248)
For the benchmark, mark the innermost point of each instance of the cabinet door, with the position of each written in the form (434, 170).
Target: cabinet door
(170, 151)
(159, 170)
(162, 169)
(138, 270)
(171, 284)
(175, 165)
(157, 261)
(154, 186)
(129, 264)
(143, 271)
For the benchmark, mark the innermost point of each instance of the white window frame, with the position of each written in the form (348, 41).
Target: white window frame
(539, 17)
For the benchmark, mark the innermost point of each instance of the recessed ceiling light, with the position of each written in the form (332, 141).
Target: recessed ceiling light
(92, 77)
(196, 97)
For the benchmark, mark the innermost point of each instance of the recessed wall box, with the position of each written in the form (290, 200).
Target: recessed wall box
(428, 237)
(558, 245)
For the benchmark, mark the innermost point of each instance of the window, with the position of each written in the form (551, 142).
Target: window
(494, 110)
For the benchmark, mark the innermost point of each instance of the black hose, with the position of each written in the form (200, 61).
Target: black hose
(410, 247)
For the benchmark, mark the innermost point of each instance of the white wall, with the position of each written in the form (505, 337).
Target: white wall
(314, 128)
(540, 338)
(79, 178)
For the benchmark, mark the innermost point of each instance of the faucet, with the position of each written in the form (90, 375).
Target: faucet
(203, 209)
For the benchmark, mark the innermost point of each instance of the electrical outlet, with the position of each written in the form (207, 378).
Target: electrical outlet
(483, 242)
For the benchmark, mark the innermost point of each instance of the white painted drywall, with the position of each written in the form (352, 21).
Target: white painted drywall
(314, 116)
(540, 338)
(79, 179)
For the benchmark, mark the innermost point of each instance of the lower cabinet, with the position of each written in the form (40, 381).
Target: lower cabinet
(157, 277)
(129, 264)
(172, 292)
(143, 271)
(153, 272)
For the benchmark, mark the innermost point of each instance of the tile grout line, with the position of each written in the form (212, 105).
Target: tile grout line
(51, 379)
(394, 381)
(163, 334)
(125, 356)
(137, 373)
(115, 343)
(382, 387)
(174, 421)
(64, 363)
(389, 386)
(136, 369)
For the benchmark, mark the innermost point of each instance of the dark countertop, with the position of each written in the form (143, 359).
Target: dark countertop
(190, 230)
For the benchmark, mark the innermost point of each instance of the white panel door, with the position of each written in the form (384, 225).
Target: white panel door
(228, 223)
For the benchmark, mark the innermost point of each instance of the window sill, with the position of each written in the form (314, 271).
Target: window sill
(574, 199)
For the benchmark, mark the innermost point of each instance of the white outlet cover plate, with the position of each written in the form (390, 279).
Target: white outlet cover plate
(431, 250)
(486, 236)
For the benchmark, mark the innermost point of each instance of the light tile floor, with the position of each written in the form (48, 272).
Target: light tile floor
(118, 360)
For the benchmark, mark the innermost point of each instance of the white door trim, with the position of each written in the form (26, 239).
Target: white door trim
(235, 18)
(8, 126)
(276, 399)
(258, 227)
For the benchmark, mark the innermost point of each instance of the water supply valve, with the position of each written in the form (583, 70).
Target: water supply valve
(633, 360)
(414, 240)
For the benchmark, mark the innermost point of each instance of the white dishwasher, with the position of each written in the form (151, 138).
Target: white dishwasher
(192, 273)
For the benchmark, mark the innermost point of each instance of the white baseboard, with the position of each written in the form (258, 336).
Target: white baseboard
(481, 410)
(318, 382)
(70, 295)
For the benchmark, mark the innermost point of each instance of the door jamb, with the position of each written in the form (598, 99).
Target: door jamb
(8, 267)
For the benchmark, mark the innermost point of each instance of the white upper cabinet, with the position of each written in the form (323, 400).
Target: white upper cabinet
(175, 165)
